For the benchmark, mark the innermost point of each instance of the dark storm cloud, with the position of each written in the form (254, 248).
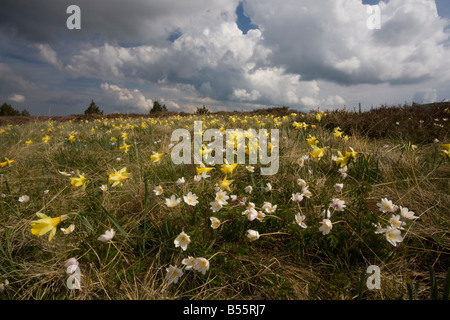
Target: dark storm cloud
(304, 53)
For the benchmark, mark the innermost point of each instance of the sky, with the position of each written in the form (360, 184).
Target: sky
(224, 54)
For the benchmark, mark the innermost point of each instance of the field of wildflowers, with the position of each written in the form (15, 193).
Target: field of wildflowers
(95, 208)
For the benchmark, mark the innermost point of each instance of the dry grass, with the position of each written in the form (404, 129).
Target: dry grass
(289, 263)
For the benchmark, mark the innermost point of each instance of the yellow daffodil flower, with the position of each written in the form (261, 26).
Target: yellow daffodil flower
(156, 157)
(337, 133)
(312, 140)
(351, 154)
(228, 168)
(318, 117)
(225, 184)
(46, 224)
(411, 147)
(118, 177)
(6, 163)
(446, 154)
(203, 169)
(125, 147)
(81, 181)
(341, 159)
(446, 150)
(317, 152)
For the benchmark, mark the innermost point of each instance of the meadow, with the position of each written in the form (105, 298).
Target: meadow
(93, 207)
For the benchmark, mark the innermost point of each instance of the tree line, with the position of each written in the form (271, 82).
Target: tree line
(93, 108)
(8, 110)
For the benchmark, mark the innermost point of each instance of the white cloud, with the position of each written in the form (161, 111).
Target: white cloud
(426, 96)
(49, 55)
(305, 54)
(330, 40)
(132, 99)
(278, 87)
(243, 95)
(17, 98)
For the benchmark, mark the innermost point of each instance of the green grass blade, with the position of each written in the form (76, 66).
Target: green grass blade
(410, 288)
(434, 289)
(361, 285)
(446, 292)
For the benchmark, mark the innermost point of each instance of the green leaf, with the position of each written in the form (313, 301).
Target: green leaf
(410, 290)
(434, 289)
(87, 223)
(446, 292)
(114, 221)
(361, 285)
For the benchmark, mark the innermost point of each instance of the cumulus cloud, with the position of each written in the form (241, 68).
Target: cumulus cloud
(329, 39)
(17, 98)
(425, 96)
(49, 55)
(305, 53)
(132, 99)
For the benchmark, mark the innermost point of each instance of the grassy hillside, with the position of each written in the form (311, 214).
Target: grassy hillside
(70, 167)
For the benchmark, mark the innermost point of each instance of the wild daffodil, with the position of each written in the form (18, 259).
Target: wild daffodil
(46, 224)
(202, 169)
(312, 140)
(156, 157)
(228, 168)
(117, 178)
(125, 147)
(6, 163)
(225, 184)
(317, 152)
(81, 181)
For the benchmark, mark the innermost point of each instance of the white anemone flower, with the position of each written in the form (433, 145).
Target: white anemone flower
(405, 213)
(182, 241)
(191, 199)
(107, 236)
(173, 201)
(252, 235)
(201, 265)
(393, 235)
(326, 226)
(215, 223)
(158, 190)
(299, 219)
(173, 274)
